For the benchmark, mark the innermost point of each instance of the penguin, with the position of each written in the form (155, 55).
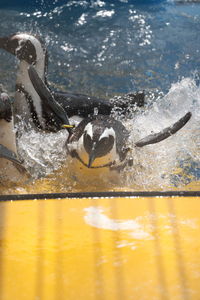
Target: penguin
(101, 141)
(29, 106)
(11, 168)
(98, 141)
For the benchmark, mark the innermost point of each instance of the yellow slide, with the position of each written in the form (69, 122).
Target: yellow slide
(100, 246)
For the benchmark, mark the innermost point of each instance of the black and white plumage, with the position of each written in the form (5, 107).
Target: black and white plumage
(101, 141)
(10, 165)
(28, 49)
(29, 107)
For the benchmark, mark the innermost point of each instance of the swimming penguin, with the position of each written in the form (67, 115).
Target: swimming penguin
(29, 107)
(11, 168)
(98, 141)
(101, 141)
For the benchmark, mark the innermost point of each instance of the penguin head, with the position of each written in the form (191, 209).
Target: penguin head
(24, 46)
(99, 143)
(95, 141)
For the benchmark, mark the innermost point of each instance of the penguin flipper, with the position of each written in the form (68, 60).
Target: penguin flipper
(47, 97)
(8, 154)
(164, 134)
(11, 156)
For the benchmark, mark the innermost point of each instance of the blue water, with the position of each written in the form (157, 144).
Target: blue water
(107, 48)
(111, 47)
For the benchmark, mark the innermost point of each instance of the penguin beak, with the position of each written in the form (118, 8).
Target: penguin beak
(9, 44)
(91, 160)
(92, 157)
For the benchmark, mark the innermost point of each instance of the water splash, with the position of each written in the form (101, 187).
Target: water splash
(132, 47)
(173, 162)
(161, 164)
(43, 153)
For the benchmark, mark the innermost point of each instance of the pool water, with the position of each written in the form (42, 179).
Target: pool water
(109, 48)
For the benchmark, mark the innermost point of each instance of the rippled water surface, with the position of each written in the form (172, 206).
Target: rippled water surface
(109, 48)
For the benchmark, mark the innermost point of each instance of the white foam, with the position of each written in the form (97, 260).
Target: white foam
(155, 165)
(95, 217)
(105, 13)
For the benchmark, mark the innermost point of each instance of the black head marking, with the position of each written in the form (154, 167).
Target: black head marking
(20, 46)
(98, 140)
(104, 146)
(100, 147)
(26, 51)
(87, 142)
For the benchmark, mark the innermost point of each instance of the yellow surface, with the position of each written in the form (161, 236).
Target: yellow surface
(120, 248)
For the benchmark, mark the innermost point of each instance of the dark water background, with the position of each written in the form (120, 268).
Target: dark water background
(107, 48)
